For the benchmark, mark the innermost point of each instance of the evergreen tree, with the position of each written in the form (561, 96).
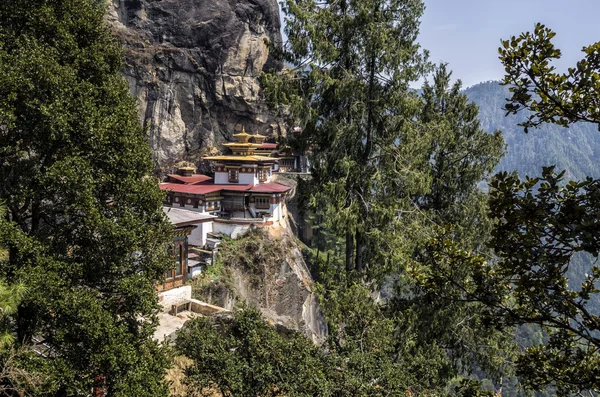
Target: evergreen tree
(84, 228)
(541, 225)
(428, 297)
(245, 356)
(354, 62)
(461, 156)
(389, 168)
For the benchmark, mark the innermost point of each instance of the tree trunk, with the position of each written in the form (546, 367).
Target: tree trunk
(360, 248)
(349, 251)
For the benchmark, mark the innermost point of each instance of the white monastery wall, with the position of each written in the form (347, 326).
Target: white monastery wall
(232, 230)
(221, 178)
(199, 234)
(246, 179)
(195, 271)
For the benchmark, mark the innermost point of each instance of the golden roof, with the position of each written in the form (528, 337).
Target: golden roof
(238, 144)
(259, 138)
(240, 158)
(242, 137)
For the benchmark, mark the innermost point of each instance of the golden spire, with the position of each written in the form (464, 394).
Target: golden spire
(242, 137)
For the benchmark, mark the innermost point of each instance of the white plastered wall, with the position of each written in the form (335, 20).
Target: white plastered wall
(199, 234)
(174, 296)
(230, 229)
(247, 179)
(221, 178)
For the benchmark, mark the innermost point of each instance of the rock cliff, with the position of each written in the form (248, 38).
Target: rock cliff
(265, 270)
(194, 67)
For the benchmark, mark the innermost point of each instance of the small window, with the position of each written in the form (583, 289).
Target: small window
(263, 175)
(262, 203)
(179, 259)
(234, 175)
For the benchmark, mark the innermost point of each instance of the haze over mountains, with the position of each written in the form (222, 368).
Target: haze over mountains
(575, 149)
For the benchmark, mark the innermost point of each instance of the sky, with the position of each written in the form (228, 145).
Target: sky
(467, 33)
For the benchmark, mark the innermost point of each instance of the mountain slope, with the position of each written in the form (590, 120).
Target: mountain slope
(575, 149)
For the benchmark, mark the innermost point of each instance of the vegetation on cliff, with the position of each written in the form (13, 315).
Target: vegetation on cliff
(255, 255)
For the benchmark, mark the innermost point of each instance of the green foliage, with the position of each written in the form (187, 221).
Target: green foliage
(256, 253)
(245, 356)
(10, 299)
(370, 349)
(349, 91)
(538, 233)
(470, 388)
(461, 156)
(215, 281)
(429, 299)
(84, 227)
(389, 167)
(541, 224)
(544, 223)
(559, 98)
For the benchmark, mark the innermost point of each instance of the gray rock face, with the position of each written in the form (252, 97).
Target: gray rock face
(286, 299)
(194, 66)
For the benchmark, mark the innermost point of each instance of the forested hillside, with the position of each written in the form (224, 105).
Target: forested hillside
(575, 149)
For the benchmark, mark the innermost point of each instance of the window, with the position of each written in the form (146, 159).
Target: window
(233, 175)
(179, 262)
(262, 203)
(177, 253)
(263, 174)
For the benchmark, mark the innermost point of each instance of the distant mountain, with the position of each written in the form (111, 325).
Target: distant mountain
(575, 149)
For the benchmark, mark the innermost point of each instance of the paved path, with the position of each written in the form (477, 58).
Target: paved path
(168, 324)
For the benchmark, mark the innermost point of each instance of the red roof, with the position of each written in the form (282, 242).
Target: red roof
(201, 188)
(196, 178)
(270, 188)
(205, 188)
(268, 146)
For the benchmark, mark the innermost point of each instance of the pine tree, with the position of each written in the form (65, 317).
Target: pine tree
(428, 298)
(354, 61)
(462, 156)
(388, 170)
(86, 233)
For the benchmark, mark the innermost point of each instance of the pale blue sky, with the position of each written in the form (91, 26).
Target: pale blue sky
(467, 33)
